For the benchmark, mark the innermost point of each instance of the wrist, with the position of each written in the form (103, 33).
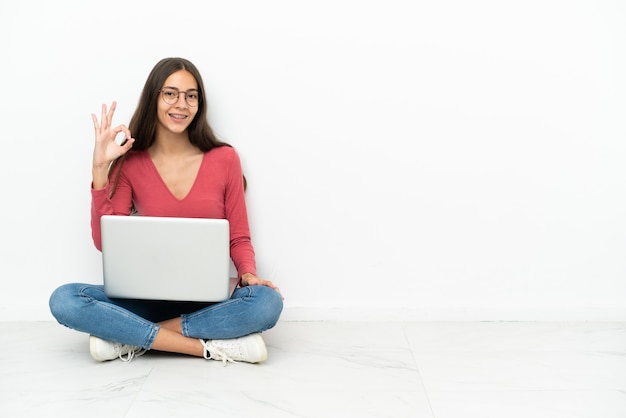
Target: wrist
(245, 277)
(100, 177)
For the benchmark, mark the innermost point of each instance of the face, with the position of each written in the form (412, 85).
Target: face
(176, 115)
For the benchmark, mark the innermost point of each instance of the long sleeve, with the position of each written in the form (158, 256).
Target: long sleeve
(241, 249)
(101, 204)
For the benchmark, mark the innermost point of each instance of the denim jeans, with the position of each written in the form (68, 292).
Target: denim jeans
(85, 308)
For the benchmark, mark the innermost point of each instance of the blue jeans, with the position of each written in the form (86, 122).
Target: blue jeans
(85, 308)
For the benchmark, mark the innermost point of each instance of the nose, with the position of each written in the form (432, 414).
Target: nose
(182, 97)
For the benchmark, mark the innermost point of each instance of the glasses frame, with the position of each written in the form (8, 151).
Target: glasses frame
(178, 92)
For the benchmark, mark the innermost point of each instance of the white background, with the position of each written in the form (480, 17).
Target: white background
(406, 159)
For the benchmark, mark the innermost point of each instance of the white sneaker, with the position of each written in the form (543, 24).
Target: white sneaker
(103, 350)
(250, 349)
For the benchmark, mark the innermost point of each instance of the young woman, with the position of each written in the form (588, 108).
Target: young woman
(171, 164)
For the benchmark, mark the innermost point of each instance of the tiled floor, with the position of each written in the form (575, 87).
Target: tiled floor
(331, 369)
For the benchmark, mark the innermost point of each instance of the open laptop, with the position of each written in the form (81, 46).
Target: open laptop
(159, 258)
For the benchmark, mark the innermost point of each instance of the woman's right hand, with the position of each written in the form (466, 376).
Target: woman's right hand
(106, 148)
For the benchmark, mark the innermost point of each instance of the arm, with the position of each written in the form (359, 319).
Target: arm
(106, 150)
(242, 251)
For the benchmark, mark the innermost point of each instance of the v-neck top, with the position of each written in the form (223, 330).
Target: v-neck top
(217, 192)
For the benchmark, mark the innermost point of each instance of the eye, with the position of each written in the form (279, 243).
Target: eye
(170, 94)
(192, 96)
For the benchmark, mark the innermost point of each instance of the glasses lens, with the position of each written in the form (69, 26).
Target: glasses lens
(193, 98)
(169, 96)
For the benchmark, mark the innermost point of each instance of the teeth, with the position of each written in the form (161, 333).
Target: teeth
(178, 116)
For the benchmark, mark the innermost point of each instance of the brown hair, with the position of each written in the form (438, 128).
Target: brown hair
(143, 123)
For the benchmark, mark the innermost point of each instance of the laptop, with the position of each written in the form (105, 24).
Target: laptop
(163, 258)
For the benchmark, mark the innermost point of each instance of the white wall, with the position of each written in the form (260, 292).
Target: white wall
(406, 159)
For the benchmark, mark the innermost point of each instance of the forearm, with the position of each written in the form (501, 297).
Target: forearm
(100, 177)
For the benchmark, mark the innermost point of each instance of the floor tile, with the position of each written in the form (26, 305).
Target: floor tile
(528, 404)
(516, 336)
(332, 369)
(493, 371)
(267, 403)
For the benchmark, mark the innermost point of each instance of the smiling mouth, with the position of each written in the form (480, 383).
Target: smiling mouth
(179, 117)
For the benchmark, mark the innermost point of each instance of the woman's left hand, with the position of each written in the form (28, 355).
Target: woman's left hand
(249, 279)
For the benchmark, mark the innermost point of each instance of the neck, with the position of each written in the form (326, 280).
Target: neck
(169, 143)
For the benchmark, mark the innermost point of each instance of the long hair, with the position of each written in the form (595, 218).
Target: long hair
(143, 124)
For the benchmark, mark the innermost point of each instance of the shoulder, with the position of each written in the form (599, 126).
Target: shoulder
(224, 154)
(223, 151)
(223, 160)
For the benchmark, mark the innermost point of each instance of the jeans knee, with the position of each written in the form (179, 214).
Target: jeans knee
(270, 305)
(61, 302)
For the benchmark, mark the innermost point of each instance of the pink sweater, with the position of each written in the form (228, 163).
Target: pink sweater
(216, 193)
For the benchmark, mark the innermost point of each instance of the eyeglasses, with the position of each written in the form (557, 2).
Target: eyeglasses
(170, 96)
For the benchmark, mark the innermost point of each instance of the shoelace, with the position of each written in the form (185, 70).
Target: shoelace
(215, 352)
(131, 354)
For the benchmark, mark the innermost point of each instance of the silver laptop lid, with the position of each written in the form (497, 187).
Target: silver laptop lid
(158, 258)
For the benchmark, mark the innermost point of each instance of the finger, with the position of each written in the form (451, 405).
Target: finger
(270, 284)
(96, 124)
(260, 282)
(121, 128)
(111, 112)
(103, 117)
(128, 145)
(126, 131)
(276, 288)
